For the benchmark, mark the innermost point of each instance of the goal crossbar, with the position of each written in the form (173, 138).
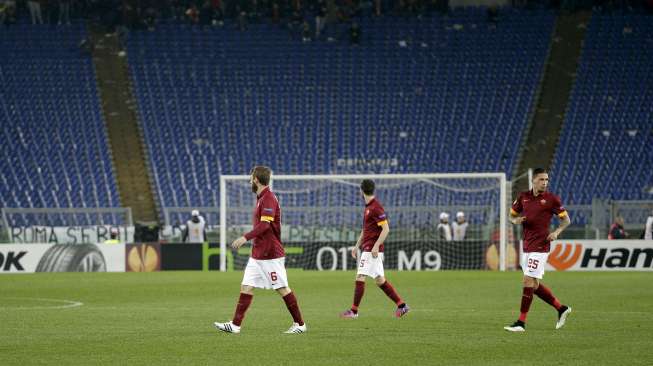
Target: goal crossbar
(313, 177)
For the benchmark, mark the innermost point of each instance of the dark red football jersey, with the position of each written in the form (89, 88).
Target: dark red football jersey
(373, 218)
(538, 211)
(267, 241)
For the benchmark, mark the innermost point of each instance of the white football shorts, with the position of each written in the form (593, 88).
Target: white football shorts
(533, 264)
(266, 273)
(370, 266)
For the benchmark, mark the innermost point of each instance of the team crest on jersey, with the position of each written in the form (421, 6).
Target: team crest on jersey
(367, 212)
(543, 202)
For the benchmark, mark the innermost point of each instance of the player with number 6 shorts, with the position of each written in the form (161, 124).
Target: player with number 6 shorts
(370, 263)
(266, 266)
(533, 210)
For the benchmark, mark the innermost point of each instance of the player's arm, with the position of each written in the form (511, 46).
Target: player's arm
(267, 214)
(184, 234)
(563, 216)
(260, 228)
(359, 241)
(354, 250)
(515, 212)
(515, 217)
(385, 230)
(565, 221)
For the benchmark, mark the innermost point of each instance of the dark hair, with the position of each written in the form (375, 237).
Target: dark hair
(262, 173)
(367, 186)
(537, 171)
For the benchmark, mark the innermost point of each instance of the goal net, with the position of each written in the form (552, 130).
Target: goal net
(322, 216)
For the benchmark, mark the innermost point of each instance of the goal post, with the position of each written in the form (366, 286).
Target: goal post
(322, 215)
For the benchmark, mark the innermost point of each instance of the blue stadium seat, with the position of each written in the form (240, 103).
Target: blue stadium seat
(218, 101)
(606, 145)
(53, 138)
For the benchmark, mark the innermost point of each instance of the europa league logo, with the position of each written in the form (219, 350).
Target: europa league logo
(143, 258)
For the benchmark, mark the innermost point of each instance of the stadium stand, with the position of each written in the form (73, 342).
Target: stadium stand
(53, 142)
(413, 97)
(605, 149)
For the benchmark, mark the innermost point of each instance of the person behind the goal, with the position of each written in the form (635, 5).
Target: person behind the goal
(370, 264)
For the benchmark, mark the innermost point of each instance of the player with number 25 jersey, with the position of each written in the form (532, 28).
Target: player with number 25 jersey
(533, 210)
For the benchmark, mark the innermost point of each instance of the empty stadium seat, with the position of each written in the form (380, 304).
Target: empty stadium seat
(417, 92)
(53, 139)
(606, 145)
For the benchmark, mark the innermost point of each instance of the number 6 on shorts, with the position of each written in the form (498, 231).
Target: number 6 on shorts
(273, 276)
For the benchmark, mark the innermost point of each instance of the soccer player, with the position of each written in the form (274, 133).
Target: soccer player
(266, 266)
(533, 210)
(375, 231)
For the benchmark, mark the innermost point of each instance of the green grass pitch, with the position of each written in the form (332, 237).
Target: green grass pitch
(457, 319)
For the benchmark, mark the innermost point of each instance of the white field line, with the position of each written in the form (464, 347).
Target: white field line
(66, 304)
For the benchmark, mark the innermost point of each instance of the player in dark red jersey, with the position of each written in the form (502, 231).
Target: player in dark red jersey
(266, 266)
(533, 210)
(370, 264)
